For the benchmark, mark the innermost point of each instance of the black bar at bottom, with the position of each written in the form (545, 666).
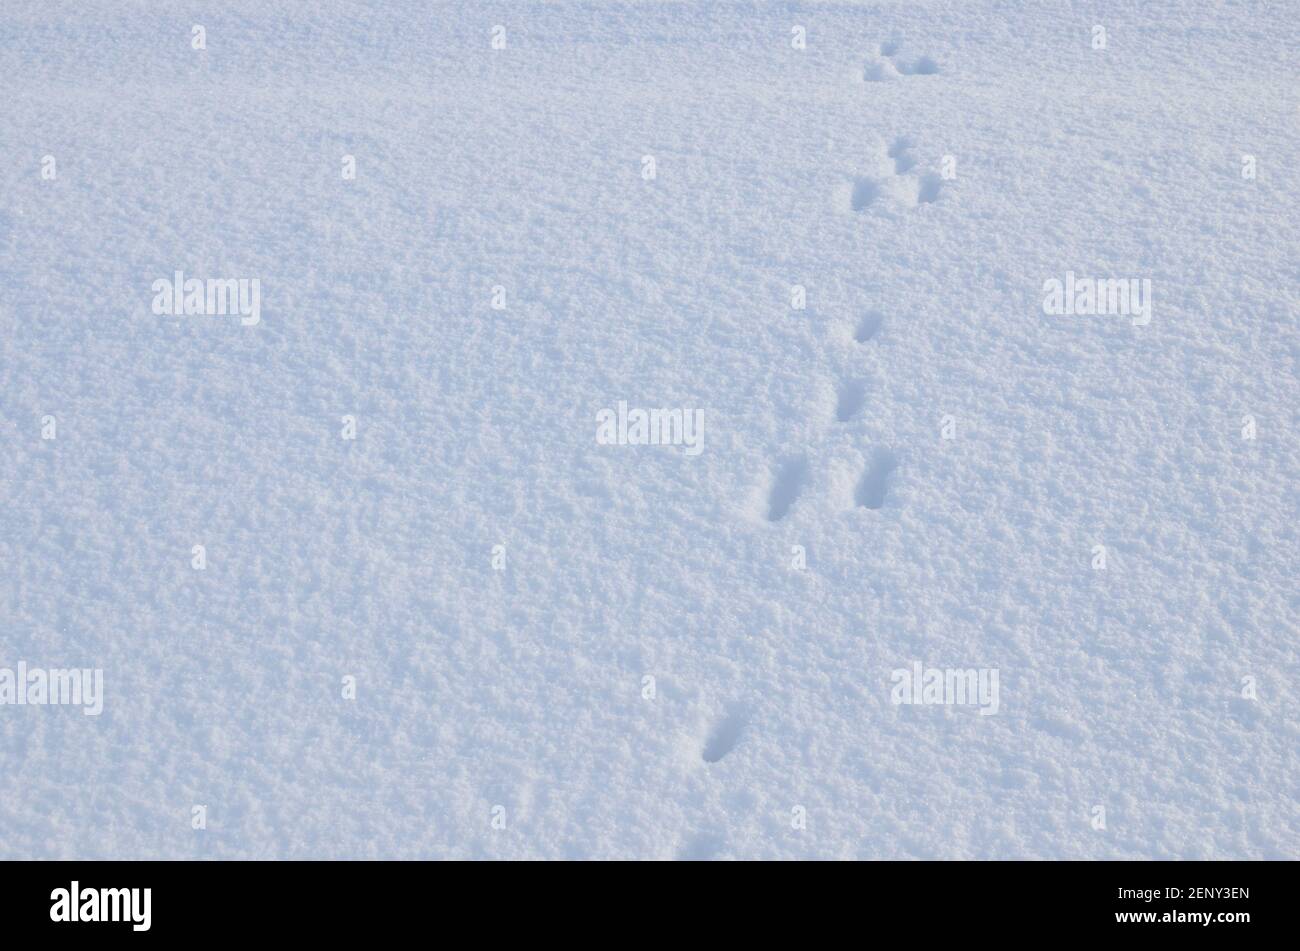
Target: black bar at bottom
(338, 900)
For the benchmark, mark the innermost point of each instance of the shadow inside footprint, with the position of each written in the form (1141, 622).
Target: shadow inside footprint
(865, 191)
(869, 327)
(924, 66)
(875, 482)
(853, 395)
(725, 736)
(878, 72)
(929, 190)
(902, 161)
(789, 483)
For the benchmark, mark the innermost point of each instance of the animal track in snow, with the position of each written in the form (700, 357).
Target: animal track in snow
(865, 191)
(853, 395)
(725, 736)
(869, 326)
(902, 161)
(889, 66)
(791, 474)
(879, 72)
(929, 189)
(924, 66)
(786, 487)
(895, 181)
(875, 481)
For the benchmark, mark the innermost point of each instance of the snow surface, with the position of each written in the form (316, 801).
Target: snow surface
(522, 688)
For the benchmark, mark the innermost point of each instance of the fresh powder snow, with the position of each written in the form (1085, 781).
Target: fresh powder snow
(649, 430)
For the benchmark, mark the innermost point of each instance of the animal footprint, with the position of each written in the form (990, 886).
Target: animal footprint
(791, 475)
(869, 327)
(786, 487)
(929, 189)
(928, 185)
(875, 481)
(924, 66)
(889, 66)
(865, 191)
(725, 736)
(899, 153)
(896, 181)
(879, 72)
(853, 395)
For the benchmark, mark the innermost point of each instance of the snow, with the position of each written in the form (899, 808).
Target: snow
(502, 711)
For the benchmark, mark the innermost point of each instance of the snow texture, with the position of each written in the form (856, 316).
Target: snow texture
(919, 465)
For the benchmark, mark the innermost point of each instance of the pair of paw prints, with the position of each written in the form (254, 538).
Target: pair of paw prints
(792, 476)
(792, 473)
(894, 180)
(890, 65)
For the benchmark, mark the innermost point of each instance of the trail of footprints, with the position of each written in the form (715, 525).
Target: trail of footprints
(895, 178)
(792, 476)
(792, 473)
